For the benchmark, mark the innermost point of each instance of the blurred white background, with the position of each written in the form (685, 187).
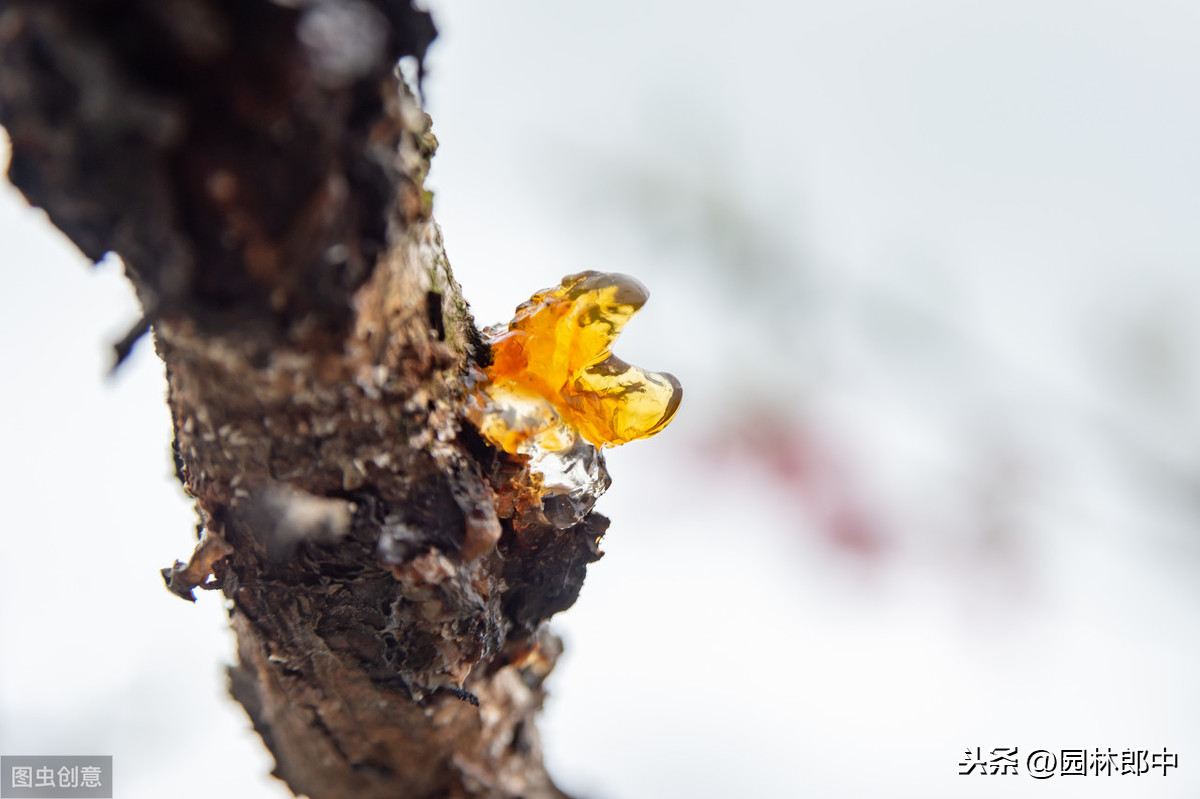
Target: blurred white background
(929, 274)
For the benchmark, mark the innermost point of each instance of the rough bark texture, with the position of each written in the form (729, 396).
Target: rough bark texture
(259, 168)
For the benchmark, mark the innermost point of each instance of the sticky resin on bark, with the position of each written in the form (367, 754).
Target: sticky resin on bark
(555, 395)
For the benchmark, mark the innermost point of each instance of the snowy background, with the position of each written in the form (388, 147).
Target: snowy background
(930, 276)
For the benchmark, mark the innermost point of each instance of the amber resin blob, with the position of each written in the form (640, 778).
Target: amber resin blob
(556, 394)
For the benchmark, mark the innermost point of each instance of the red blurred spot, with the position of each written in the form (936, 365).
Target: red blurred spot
(808, 471)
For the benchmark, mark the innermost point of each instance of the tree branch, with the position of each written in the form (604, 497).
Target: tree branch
(259, 168)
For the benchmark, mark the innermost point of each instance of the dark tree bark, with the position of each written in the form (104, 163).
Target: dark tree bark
(259, 168)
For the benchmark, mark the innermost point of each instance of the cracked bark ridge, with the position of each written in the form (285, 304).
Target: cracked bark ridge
(260, 170)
